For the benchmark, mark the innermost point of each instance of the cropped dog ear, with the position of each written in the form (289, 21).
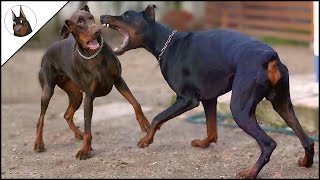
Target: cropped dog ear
(13, 15)
(149, 13)
(65, 30)
(21, 13)
(85, 8)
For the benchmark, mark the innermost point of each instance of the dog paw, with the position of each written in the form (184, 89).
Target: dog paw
(38, 146)
(78, 136)
(83, 153)
(304, 162)
(145, 142)
(200, 143)
(246, 174)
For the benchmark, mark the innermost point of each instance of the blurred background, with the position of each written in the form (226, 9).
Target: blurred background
(281, 22)
(285, 26)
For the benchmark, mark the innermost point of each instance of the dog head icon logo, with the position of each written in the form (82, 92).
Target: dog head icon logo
(21, 25)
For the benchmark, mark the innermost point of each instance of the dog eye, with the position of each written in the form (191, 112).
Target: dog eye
(80, 22)
(21, 21)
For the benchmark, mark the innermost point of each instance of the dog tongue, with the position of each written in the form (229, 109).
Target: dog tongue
(93, 44)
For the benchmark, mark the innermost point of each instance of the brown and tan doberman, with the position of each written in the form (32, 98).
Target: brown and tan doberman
(82, 63)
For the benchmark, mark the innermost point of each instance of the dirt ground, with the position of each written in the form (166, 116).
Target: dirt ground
(116, 154)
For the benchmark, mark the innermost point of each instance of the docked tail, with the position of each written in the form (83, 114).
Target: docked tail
(274, 75)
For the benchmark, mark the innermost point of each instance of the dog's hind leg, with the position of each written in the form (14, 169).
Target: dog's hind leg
(247, 91)
(283, 106)
(75, 100)
(210, 108)
(47, 81)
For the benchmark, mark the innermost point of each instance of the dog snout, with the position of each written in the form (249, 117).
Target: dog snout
(94, 30)
(98, 32)
(105, 18)
(17, 27)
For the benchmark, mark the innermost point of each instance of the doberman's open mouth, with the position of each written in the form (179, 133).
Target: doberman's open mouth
(94, 44)
(120, 50)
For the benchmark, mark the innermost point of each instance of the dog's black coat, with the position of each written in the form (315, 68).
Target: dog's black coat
(201, 66)
(210, 60)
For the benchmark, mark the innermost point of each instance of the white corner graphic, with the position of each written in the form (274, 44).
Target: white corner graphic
(17, 17)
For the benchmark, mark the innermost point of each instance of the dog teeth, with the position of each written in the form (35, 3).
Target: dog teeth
(106, 25)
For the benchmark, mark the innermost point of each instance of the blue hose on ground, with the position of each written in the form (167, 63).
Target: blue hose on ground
(200, 119)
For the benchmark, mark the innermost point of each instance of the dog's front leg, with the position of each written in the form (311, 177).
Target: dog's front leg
(181, 105)
(84, 152)
(122, 87)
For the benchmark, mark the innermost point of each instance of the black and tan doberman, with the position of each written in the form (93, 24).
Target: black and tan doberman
(201, 66)
(82, 63)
